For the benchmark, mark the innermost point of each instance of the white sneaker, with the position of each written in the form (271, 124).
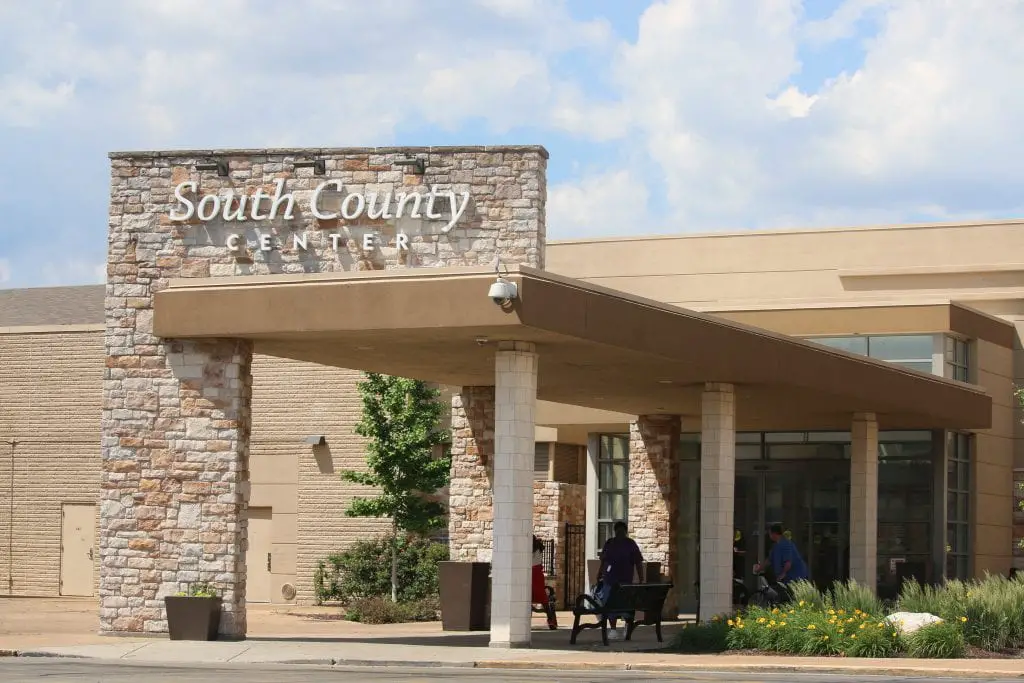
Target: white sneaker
(616, 634)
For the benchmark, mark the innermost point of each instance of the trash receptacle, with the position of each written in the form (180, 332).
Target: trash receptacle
(465, 595)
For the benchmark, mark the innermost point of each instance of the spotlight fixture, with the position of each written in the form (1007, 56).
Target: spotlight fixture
(419, 165)
(219, 165)
(316, 440)
(319, 166)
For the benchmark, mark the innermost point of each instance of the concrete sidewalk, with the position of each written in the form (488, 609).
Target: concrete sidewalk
(313, 635)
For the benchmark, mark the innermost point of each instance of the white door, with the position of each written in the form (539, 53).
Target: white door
(258, 557)
(77, 548)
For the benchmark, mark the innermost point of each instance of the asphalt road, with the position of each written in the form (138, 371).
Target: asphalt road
(81, 671)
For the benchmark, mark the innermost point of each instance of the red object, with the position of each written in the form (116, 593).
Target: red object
(540, 596)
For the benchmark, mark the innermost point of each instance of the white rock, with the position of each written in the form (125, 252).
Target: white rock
(908, 622)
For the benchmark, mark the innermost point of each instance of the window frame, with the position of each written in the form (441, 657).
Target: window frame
(960, 452)
(606, 524)
(954, 366)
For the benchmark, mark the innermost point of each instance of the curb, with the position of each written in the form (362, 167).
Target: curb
(400, 663)
(748, 668)
(525, 665)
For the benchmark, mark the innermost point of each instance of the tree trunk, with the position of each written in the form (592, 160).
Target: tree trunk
(394, 566)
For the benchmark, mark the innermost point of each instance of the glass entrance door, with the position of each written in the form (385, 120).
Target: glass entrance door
(811, 504)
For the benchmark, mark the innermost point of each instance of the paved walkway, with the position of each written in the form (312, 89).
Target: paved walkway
(308, 635)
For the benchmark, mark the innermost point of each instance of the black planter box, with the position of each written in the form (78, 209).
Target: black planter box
(192, 618)
(465, 595)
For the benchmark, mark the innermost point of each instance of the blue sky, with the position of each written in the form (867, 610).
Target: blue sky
(701, 115)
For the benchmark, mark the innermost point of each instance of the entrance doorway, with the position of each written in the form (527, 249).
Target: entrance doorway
(258, 558)
(77, 549)
(810, 501)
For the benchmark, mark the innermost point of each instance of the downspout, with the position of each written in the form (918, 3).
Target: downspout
(10, 524)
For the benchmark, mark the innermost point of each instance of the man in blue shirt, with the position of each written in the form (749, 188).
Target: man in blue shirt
(785, 560)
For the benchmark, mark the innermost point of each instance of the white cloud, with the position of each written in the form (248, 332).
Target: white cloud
(5, 270)
(600, 204)
(707, 119)
(926, 126)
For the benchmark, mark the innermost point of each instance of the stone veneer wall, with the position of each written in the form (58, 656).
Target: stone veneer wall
(176, 413)
(654, 493)
(556, 504)
(470, 500)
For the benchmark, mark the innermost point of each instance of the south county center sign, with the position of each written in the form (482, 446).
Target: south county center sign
(325, 203)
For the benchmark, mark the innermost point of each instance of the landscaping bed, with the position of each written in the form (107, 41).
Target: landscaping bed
(983, 619)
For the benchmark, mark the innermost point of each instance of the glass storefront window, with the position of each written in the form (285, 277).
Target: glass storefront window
(612, 484)
(858, 345)
(904, 347)
(913, 351)
(905, 509)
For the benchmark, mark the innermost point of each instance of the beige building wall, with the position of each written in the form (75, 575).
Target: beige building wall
(992, 517)
(50, 395)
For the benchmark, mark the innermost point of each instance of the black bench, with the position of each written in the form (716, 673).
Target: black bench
(625, 600)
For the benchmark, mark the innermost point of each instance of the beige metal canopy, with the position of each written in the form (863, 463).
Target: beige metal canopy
(598, 347)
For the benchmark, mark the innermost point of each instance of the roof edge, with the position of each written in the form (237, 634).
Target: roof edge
(174, 153)
(734, 232)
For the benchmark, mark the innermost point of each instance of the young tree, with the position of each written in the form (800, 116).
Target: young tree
(402, 421)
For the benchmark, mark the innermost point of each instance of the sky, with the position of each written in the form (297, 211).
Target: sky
(661, 117)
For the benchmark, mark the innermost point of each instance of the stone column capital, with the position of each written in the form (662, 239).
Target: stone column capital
(719, 387)
(517, 347)
(865, 417)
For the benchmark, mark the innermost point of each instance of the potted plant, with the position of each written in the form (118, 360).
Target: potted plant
(194, 614)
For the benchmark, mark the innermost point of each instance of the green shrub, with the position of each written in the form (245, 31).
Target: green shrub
(381, 610)
(701, 638)
(364, 570)
(944, 640)
(804, 628)
(873, 637)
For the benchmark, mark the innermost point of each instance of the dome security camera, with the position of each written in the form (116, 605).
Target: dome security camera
(502, 292)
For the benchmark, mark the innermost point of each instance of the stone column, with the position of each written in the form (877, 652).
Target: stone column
(515, 376)
(654, 495)
(175, 479)
(864, 500)
(590, 518)
(717, 489)
(469, 502)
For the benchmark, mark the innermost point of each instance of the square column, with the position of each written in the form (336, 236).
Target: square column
(593, 449)
(654, 495)
(515, 379)
(864, 500)
(717, 489)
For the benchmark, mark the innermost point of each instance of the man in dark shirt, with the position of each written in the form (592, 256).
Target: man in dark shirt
(620, 557)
